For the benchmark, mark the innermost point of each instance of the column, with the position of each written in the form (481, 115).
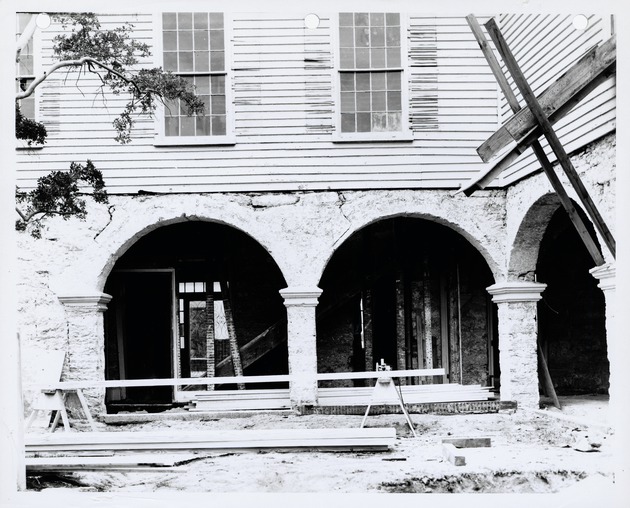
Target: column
(85, 359)
(518, 335)
(617, 356)
(301, 339)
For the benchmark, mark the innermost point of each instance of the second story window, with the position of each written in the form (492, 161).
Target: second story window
(371, 84)
(193, 46)
(25, 73)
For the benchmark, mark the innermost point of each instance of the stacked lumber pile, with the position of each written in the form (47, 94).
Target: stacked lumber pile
(233, 400)
(227, 400)
(412, 394)
(232, 440)
(84, 450)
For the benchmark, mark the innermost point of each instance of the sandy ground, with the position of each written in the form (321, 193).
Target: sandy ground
(530, 452)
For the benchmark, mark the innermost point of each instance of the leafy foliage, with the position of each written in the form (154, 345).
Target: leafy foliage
(58, 193)
(114, 56)
(29, 130)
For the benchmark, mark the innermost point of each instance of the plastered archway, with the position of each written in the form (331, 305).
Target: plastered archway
(394, 290)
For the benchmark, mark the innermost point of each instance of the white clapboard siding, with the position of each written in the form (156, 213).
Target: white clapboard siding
(284, 105)
(545, 47)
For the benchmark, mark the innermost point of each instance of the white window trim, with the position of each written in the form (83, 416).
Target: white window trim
(20, 144)
(405, 134)
(160, 138)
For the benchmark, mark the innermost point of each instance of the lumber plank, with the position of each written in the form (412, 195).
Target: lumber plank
(345, 438)
(136, 461)
(468, 442)
(115, 383)
(450, 453)
(595, 67)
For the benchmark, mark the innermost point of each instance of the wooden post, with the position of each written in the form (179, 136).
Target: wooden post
(453, 335)
(401, 339)
(210, 353)
(566, 202)
(550, 134)
(367, 330)
(229, 320)
(551, 391)
(416, 299)
(426, 304)
(444, 325)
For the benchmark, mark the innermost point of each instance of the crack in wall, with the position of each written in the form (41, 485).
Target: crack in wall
(110, 210)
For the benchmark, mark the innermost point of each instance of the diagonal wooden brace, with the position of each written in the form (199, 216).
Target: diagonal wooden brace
(585, 234)
(590, 71)
(549, 133)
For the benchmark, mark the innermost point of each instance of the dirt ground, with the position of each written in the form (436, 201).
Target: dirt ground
(531, 452)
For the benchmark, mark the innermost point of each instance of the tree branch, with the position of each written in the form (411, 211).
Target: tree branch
(77, 63)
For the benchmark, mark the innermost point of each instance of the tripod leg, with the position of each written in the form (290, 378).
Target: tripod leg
(365, 415)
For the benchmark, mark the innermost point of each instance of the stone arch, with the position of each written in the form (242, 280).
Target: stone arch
(526, 244)
(135, 218)
(391, 290)
(570, 317)
(192, 299)
(477, 239)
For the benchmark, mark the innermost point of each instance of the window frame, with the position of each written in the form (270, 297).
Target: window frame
(37, 70)
(405, 134)
(160, 137)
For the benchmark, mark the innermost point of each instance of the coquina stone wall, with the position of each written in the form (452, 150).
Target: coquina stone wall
(300, 230)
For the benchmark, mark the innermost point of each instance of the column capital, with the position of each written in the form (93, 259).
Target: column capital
(97, 301)
(606, 275)
(516, 291)
(301, 296)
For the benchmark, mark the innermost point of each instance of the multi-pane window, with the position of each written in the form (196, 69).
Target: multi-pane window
(25, 72)
(194, 47)
(370, 72)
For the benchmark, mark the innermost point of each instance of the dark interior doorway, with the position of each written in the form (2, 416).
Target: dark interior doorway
(194, 299)
(571, 314)
(412, 293)
(141, 314)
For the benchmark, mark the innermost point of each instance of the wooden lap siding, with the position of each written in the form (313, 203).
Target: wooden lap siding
(284, 102)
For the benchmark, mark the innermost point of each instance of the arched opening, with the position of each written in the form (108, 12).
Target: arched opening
(571, 314)
(193, 299)
(412, 293)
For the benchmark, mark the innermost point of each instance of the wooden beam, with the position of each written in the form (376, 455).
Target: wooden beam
(73, 385)
(468, 442)
(136, 462)
(525, 138)
(549, 133)
(494, 64)
(586, 236)
(255, 349)
(229, 321)
(549, 388)
(595, 67)
(377, 438)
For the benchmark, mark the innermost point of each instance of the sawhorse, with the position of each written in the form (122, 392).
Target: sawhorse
(384, 393)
